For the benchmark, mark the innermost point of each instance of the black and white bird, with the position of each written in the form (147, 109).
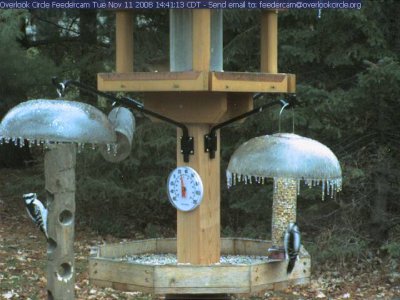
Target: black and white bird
(292, 243)
(36, 211)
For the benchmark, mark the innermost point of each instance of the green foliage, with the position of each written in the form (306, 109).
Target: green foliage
(393, 249)
(24, 73)
(130, 196)
(337, 246)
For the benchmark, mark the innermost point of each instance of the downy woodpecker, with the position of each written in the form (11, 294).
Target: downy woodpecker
(36, 211)
(292, 243)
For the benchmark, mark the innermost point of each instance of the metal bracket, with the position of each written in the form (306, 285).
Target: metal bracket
(187, 147)
(187, 142)
(210, 139)
(210, 143)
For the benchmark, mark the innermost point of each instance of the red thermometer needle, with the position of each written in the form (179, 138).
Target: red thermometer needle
(183, 188)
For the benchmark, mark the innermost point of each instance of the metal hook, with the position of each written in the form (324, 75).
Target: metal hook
(280, 113)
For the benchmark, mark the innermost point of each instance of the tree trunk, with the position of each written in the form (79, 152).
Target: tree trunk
(88, 36)
(382, 188)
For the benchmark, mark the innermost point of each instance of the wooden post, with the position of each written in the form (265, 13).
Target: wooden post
(269, 41)
(283, 208)
(124, 41)
(59, 167)
(201, 39)
(198, 231)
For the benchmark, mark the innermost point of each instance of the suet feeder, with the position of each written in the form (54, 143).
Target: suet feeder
(288, 159)
(62, 127)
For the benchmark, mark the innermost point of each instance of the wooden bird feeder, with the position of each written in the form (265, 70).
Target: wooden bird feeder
(198, 93)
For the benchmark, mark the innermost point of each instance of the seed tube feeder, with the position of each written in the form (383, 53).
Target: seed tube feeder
(288, 159)
(62, 127)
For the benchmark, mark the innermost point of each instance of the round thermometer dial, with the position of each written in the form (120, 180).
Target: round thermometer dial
(185, 189)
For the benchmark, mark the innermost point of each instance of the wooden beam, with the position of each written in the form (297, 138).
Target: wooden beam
(201, 39)
(238, 103)
(153, 81)
(269, 41)
(249, 82)
(197, 81)
(59, 164)
(198, 231)
(124, 41)
(292, 83)
(188, 107)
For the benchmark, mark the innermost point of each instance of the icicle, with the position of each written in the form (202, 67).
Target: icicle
(234, 179)
(229, 178)
(327, 183)
(323, 190)
(332, 191)
(108, 148)
(79, 147)
(275, 184)
(298, 186)
(245, 179)
(250, 179)
(93, 146)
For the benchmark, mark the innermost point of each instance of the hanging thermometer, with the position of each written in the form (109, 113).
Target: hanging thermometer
(185, 188)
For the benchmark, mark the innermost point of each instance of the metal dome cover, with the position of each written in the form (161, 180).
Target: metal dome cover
(284, 155)
(57, 121)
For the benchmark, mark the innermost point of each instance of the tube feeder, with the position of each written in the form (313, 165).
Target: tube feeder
(288, 159)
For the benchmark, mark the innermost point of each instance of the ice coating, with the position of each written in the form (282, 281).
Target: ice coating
(56, 121)
(124, 125)
(285, 156)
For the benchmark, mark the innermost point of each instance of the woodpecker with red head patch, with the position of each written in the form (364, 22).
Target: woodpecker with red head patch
(36, 211)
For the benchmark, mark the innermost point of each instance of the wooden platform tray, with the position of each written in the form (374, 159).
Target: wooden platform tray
(106, 269)
(197, 81)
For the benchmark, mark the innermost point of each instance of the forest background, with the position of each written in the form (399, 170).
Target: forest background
(348, 86)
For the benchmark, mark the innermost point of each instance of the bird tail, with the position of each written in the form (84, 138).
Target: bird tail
(290, 266)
